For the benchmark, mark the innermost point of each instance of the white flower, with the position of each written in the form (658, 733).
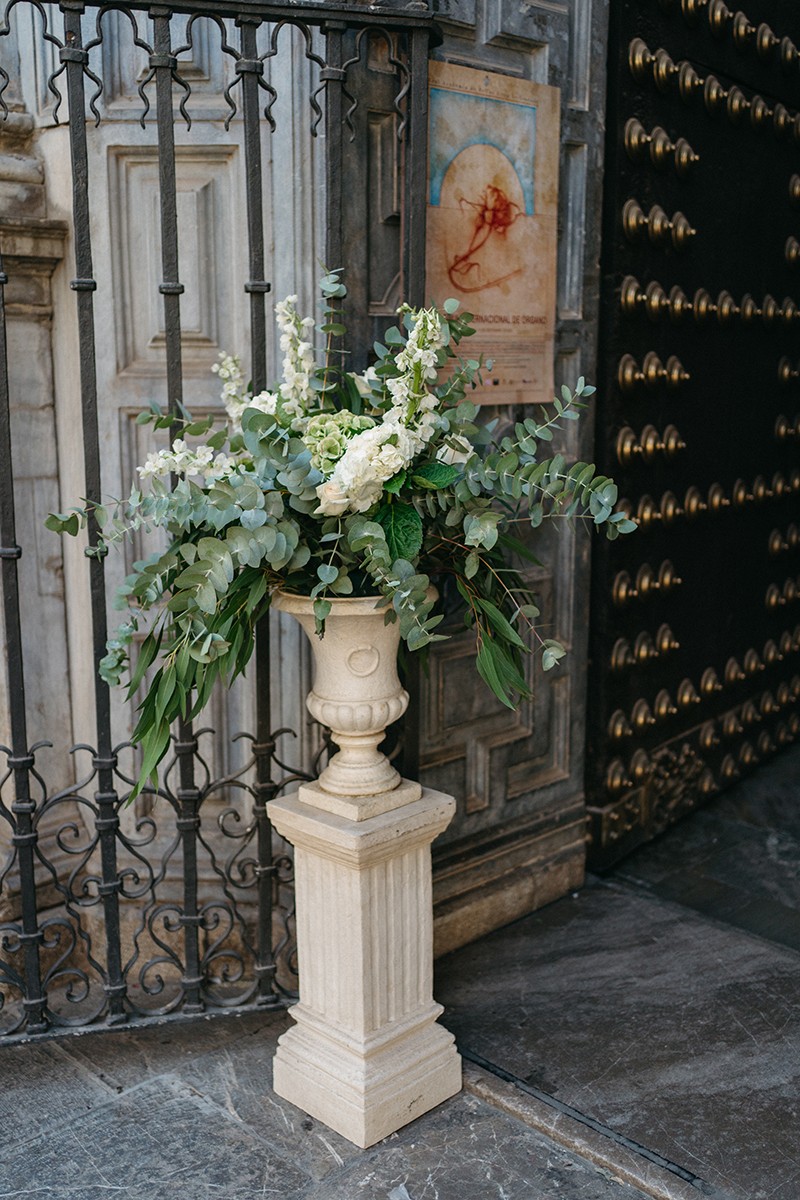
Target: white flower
(266, 402)
(224, 465)
(181, 459)
(399, 389)
(233, 388)
(299, 365)
(156, 466)
(391, 459)
(332, 500)
(326, 435)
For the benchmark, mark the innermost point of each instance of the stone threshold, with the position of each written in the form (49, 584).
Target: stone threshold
(624, 1160)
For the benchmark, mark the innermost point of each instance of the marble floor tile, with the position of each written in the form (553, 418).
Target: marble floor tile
(238, 1078)
(163, 1141)
(38, 1084)
(467, 1150)
(124, 1058)
(678, 1032)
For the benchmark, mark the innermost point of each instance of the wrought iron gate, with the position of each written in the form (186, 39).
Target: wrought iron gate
(110, 915)
(695, 663)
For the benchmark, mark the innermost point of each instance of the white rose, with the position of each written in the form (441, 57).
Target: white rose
(332, 500)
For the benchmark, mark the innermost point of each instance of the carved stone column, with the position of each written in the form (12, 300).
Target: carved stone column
(366, 1055)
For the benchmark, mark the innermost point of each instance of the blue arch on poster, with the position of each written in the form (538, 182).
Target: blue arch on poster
(459, 120)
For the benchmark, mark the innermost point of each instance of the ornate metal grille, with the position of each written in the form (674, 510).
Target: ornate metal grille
(184, 905)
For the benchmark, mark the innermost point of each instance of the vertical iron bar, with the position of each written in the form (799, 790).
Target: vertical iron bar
(334, 138)
(187, 824)
(75, 59)
(24, 837)
(164, 63)
(416, 168)
(250, 67)
(415, 159)
(265, 789)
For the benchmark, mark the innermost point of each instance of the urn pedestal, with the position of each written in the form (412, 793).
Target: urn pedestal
(366, 1055)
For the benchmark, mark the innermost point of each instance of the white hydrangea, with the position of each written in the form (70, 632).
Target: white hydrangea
(327, 434)
(371, 459)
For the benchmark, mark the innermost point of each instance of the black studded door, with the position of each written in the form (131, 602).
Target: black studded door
(695, 645)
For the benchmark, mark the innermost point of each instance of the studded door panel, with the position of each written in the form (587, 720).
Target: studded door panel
(695, 649)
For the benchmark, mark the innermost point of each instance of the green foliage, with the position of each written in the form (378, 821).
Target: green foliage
(402, 527)
(252, 507)
(434, 475)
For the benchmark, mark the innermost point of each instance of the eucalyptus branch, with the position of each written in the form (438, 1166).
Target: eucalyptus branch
(305, 491)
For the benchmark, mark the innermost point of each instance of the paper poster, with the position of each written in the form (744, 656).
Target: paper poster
(492, 221)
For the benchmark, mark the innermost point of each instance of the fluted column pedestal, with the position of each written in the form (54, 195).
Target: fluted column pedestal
(366, 1055)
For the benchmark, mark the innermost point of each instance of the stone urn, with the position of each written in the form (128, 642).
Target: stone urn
(367, 1054)
(356, 694)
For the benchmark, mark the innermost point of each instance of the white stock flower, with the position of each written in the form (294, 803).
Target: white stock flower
(366, 383)
(157, 465)
(299, 364)
(181, 459)
(266, 402)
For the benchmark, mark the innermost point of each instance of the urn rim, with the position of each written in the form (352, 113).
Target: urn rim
(297, 604)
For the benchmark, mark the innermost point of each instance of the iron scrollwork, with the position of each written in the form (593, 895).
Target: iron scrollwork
(182, 903)
(151, 882)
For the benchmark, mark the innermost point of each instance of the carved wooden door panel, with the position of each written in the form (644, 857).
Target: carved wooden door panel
(518, 839)
(695, 668)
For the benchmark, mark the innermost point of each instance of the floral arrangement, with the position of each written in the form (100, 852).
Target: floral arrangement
(339, 484)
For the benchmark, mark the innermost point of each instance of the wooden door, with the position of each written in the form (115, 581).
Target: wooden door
(695, 671)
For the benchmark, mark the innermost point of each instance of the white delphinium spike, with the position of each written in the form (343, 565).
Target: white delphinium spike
(296, 393)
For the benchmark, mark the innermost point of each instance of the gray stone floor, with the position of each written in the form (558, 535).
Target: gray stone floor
(186, 1111)
(663, 1002)
(641, 1038)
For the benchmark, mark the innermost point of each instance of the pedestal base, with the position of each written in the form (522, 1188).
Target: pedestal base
(366, 1056)
(367, 1096)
